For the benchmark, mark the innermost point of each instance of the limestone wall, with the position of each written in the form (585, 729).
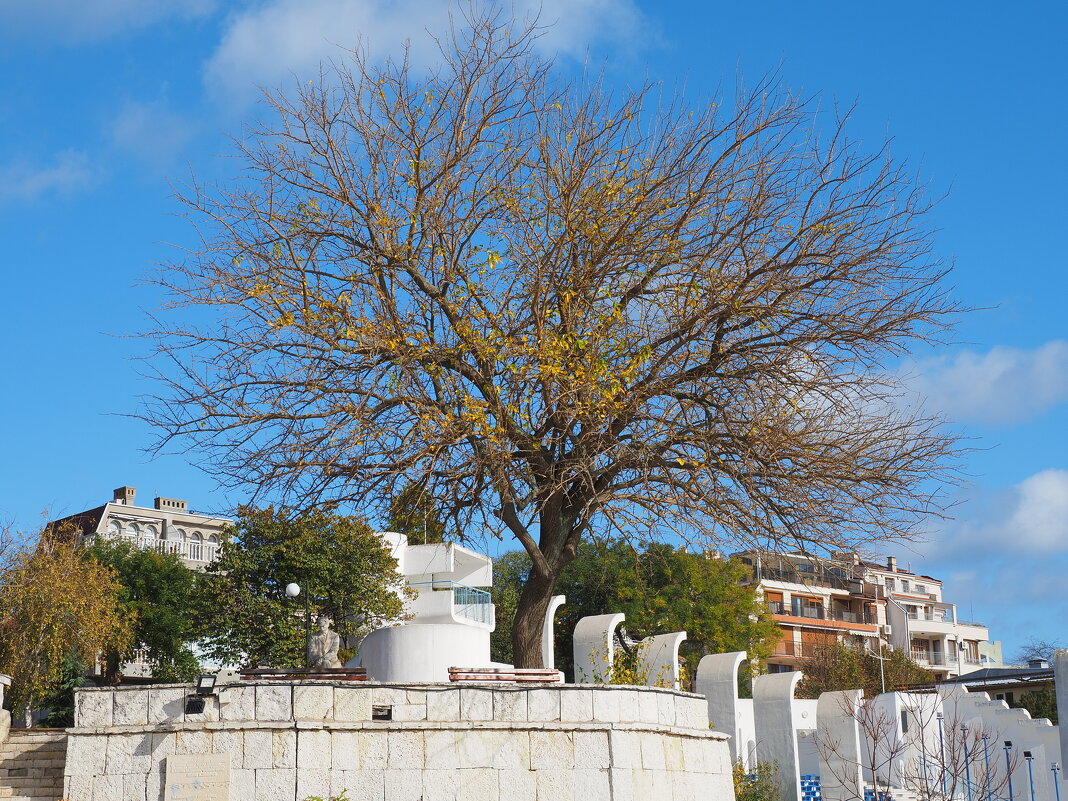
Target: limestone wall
(471, 743)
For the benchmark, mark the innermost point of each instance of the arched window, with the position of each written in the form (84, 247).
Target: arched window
(179, 534)
(213, 539)
(133, 531)
(196, 547)
(115, 529)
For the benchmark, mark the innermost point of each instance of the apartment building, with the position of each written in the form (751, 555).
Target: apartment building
(868, 606)
(167, 526)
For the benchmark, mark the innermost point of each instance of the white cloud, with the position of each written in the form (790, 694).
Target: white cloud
(70, 171)
(1005, 558)
(1002, 386)
(152, 132)
(92, 19)
(1028, 518)
(268, 43)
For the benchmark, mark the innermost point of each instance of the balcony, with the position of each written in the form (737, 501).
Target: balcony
(808, 578)
(925, 657)
(189, 551)
(448, 601)
(821, 613)
(939, 616)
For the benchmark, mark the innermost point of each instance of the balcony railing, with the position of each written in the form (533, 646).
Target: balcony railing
(821, 613)
(190, 551)
(809, 578)
(928, 657)
(941, 616)
(467, 602)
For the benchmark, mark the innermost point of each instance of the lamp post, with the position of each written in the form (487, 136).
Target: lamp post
(292, 591)
(967, 767)
(1030, 772)
(1008, 766)
(942, 753)
(986, 759)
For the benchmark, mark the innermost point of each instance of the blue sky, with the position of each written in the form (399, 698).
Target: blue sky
(107, 104)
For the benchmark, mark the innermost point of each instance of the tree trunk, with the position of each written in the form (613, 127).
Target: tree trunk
(530, 620)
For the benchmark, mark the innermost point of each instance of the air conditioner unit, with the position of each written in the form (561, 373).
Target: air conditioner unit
(886, 629)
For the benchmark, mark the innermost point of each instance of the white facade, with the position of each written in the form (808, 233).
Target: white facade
(869, 606)
(167, 527)
(450, 617)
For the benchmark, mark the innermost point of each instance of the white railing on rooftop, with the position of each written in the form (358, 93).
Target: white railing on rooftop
(190, 551)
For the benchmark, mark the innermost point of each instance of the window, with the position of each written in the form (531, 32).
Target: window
(904, 722)
(921, 588)
(115, 528)
(904, 585)
(890, 585)
(779, 669)
(133, 531)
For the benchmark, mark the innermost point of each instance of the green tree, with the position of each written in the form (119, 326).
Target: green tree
(159, 594)
(343, 567)
(658, 588)
(1040, 702)
(57, 605)
(414, 512)
(565, 310)
(837, 666)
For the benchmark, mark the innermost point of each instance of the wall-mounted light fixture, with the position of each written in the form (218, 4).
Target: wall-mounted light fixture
(194, 704)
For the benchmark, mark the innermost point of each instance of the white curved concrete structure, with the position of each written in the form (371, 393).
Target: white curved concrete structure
(717, 681)
(773, 711)
(548, 641)
(424, 652)
(594, 648)
(450, 617)
(659, 659)
(838, 743)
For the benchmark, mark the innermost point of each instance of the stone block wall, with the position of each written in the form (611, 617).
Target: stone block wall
(287, 742)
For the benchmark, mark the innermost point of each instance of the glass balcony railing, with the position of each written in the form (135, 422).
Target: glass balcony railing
(467, 602)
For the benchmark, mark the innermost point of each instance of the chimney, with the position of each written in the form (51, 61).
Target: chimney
(125, 495)
(891, 564)
(171, 505)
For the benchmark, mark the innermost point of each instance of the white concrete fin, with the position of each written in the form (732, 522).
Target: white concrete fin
(659, 659)
(1060, 681)
(838, 744)
(717, 681)
(548, 641)
(773, 704)
(594, 648)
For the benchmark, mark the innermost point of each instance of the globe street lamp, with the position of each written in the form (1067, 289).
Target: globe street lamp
(292, 591)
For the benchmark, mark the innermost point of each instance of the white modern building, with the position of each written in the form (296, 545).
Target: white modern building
(167, 527)
(449, 618)
(867, 605)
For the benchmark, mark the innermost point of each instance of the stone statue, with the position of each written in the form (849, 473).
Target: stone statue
(323, 645)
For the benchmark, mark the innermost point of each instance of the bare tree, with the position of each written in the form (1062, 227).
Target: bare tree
(560, 309)
(1035, 649)
(934, 755)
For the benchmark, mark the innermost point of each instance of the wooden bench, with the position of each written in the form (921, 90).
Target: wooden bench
(507, 675)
